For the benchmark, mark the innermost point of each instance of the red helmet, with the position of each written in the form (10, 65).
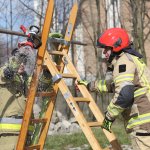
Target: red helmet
(117, 38)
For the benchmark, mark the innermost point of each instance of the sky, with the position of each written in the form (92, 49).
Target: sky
(21, 15)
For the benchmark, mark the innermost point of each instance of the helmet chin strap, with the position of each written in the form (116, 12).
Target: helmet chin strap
(112, 55)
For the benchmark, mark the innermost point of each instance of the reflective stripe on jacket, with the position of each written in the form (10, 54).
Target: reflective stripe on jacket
(12, 125)
(124, 77)
(140, 119)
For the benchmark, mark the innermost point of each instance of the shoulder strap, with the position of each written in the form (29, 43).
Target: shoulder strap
(129, 57)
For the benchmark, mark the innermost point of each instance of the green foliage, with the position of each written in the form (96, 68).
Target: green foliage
(62, 142)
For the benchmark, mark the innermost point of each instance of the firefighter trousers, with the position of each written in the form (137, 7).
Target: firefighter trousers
(8, 142)
(140, 140)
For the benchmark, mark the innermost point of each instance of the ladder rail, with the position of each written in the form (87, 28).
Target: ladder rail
(68, 37)
(73, 106)
(34, 82)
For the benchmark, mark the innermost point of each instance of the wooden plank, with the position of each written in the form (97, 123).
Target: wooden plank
(42, 120)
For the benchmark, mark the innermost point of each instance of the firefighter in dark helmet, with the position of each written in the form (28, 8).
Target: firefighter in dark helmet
(14, 82)
(130, 82)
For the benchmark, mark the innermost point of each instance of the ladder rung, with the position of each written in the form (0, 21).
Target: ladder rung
(56, 53)
(58, 67)
(33, 147)
(40, 94)
(43, 120)
(66, 75)
(81, 99)
(94, 124)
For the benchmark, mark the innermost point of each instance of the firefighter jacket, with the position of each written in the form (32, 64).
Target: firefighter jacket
(12, 101)
(131, 82)
(13, 89)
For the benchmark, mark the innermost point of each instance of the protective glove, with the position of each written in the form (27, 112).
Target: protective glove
(107, 123)
(8, 73)
(83, 82)
(88, 85)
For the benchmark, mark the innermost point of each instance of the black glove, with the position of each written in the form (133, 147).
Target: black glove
(107, 123)
(8, 73)
(83, 82)
(89, 85)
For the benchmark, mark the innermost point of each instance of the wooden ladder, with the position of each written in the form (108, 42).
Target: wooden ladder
(33, 88)
(45, 57)
(58, 79)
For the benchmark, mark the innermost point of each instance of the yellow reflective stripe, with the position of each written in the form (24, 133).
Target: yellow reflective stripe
(13, 127)
(141, 119)
(140, 68)
(140, 91)
(124, 77)
(102, 86)
(114, 110)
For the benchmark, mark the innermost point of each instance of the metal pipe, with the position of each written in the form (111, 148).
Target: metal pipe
(62, 41)
(4, 31)
(78, 43)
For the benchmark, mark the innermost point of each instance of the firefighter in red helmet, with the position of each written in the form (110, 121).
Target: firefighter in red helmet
(130, 81)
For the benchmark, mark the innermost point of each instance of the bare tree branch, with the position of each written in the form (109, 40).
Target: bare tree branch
(30, 9)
